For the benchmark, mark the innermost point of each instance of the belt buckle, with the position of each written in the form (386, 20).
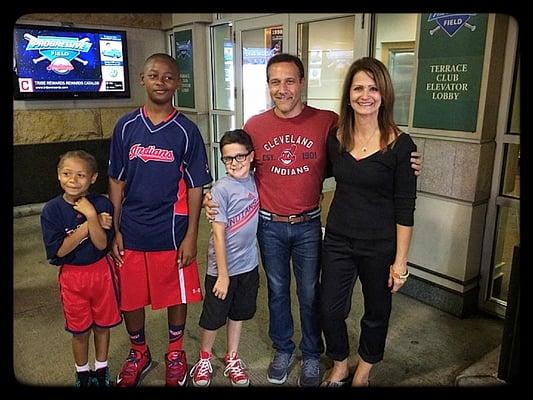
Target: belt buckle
(292, 218)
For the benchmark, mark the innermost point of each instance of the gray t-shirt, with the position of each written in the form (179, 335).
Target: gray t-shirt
(238, 210)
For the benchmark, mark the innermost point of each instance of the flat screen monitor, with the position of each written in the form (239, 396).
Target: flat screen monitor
(69, 63)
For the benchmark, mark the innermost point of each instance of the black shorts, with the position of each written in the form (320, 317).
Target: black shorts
(239, 304)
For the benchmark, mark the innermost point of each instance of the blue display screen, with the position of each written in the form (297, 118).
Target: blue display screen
(65, 63)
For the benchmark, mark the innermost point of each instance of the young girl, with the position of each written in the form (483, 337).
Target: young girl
(76, 229)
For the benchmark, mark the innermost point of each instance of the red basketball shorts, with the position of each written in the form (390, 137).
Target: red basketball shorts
(153, 277)
(89, 294)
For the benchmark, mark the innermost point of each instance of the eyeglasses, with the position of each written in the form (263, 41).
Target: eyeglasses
(238, 157)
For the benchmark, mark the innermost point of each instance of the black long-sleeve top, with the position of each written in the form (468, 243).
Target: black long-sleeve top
(373, 194)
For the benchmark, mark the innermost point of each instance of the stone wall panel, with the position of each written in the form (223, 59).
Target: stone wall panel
(47, 126)
(109, 117)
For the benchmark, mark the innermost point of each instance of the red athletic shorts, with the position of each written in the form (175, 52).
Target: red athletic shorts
(89, 294)
(153, 277)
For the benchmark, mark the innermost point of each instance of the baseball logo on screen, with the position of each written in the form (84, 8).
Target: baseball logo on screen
(26, 85)
(60, 51)
(450, 23)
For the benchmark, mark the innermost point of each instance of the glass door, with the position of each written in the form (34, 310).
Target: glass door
(394, 43)
(327, 46)
(502, 231)
(222, 104)
(326, 43)
(256, 41)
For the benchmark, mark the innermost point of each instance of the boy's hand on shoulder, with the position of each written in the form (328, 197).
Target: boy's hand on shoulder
(416, 162)
(210, 207)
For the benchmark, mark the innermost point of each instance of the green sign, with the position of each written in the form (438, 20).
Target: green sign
(450, 65)
(183, 43)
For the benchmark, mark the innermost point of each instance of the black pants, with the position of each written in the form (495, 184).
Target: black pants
(344, 260)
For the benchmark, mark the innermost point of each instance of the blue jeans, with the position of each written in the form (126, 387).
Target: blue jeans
(281, 242)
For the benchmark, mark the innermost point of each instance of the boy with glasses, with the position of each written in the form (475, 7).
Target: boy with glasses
(232, 277)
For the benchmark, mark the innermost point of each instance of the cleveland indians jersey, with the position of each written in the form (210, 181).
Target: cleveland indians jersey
(156, 162)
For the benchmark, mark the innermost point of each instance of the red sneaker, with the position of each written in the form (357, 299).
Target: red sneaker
(176, 368)
(136, 366)
(236, 370)
(202, 371)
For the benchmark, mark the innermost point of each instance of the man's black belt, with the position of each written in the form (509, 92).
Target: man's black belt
(293, 218)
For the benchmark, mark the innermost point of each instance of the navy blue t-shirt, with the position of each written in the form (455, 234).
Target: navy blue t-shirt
(59, 219)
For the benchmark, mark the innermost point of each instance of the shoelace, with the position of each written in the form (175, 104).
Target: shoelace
(131, 366)
(174, 366)
(235, 368)
(281, 360)
(202, 368)
(311, 367)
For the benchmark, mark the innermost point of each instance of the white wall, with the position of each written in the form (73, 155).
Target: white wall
(395, 28)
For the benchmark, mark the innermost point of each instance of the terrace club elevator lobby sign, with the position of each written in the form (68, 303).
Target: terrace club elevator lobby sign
(450, 66)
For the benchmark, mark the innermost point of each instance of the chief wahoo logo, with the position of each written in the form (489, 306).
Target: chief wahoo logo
(288, 156)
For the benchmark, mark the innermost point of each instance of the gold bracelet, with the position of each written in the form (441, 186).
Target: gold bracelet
(398, 276)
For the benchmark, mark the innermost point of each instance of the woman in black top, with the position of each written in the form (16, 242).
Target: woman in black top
(370, 221)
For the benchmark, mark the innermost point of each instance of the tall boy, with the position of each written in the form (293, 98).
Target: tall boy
(157, 168)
